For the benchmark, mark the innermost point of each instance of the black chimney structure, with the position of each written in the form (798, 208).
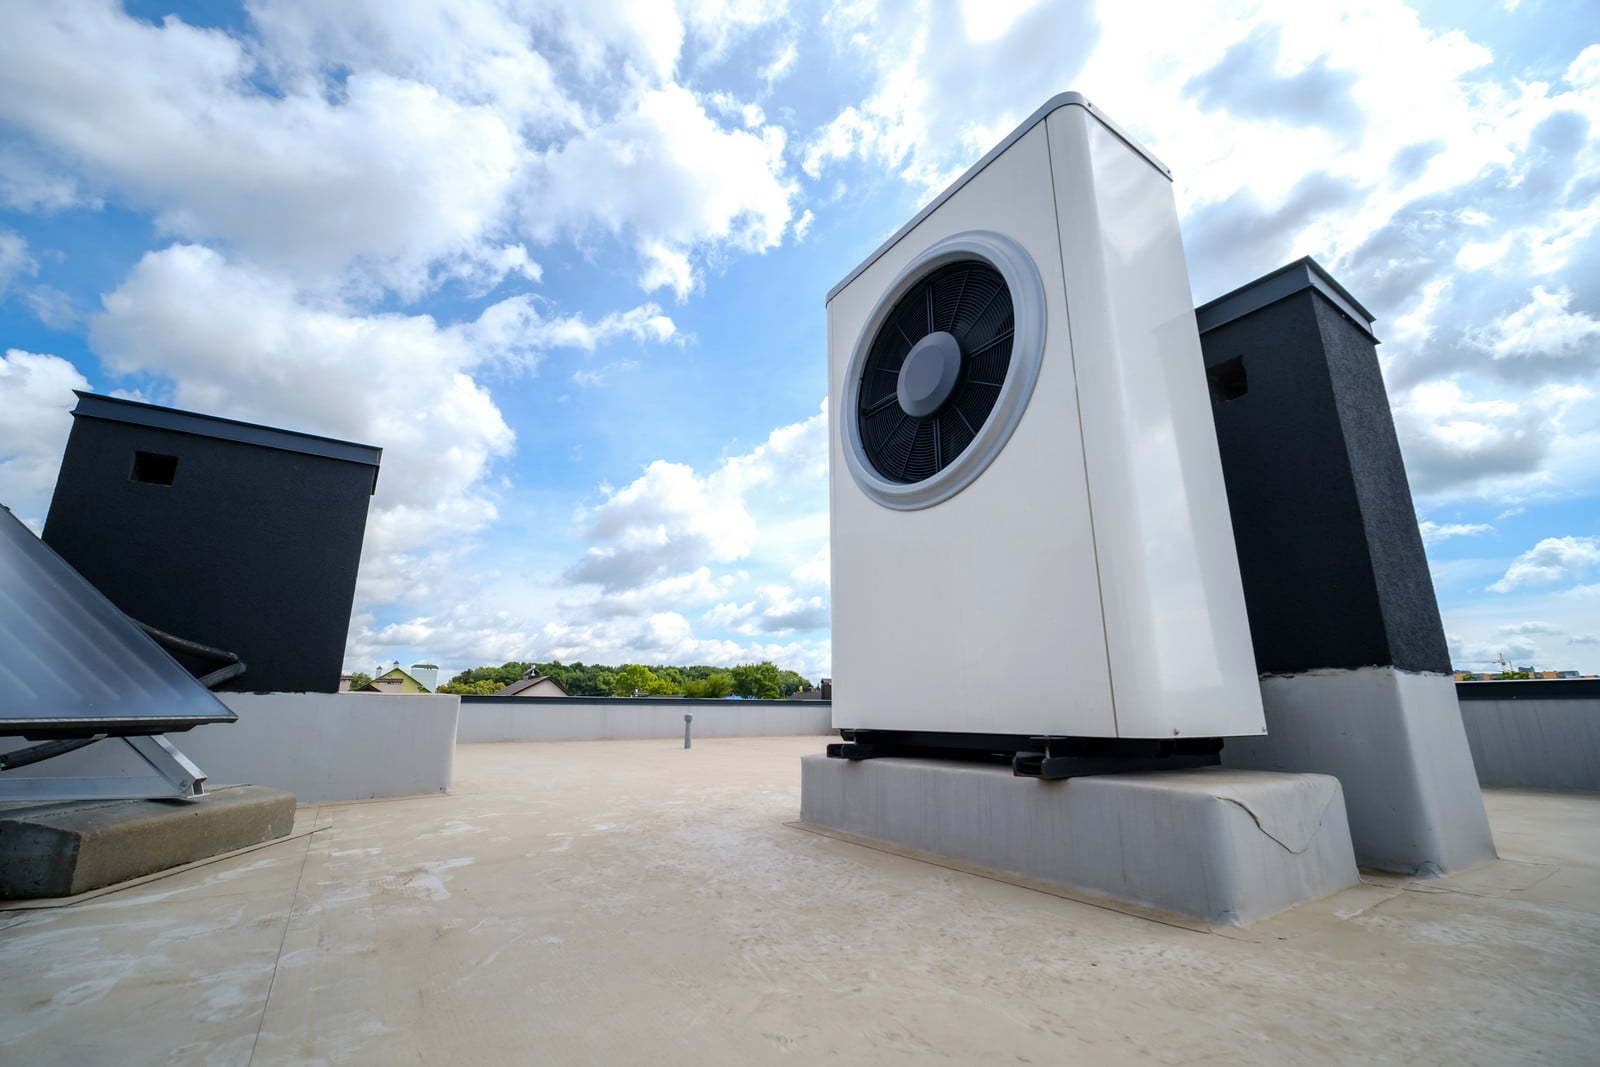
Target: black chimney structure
(1322, 512)
(1355, 672)
(230, 534)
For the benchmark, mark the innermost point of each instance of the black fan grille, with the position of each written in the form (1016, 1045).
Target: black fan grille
(969, 300)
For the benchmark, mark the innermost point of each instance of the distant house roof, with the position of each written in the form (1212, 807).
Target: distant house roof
(394, 680)
(530, 686)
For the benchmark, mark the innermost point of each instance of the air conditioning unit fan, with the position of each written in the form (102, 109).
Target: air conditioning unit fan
(1030, 534)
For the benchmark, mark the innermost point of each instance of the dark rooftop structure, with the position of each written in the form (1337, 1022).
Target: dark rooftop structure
(1314, 473)
(234, 535)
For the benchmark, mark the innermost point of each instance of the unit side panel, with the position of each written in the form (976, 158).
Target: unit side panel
(981, 613)
(1176, 630)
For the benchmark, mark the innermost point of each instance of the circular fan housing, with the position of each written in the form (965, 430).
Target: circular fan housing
(943, 370)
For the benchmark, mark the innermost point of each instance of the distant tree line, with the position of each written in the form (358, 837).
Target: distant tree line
(764, 680)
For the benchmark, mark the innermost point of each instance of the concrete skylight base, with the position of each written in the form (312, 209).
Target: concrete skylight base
(61, 848)
(1222, 845)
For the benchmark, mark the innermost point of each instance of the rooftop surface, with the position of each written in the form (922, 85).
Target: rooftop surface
(630, 902)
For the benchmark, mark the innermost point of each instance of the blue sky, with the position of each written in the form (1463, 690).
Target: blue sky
(565, 263)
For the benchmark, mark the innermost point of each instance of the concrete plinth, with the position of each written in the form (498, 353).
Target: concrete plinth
(64, 848)
(1394, 739)
(1226, 846)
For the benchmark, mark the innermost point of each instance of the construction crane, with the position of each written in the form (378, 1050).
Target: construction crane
(1503, 663)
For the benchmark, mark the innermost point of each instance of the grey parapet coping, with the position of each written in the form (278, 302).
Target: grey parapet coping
(1304, 273)
(1530, 689)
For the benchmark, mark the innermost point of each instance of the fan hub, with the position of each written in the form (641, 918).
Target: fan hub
(928, 376)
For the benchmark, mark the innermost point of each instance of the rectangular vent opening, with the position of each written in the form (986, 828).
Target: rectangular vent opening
(152, 468)
(1227, 380)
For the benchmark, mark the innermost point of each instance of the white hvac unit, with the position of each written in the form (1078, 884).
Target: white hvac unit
(1030, 531)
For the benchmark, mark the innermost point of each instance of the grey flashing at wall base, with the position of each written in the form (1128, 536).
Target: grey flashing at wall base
(1395, 740)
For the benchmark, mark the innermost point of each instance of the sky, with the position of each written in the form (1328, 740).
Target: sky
(565, 262)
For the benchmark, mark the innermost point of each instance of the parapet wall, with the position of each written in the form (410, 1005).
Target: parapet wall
(1541, 734)
(618, 718)
(322, 747)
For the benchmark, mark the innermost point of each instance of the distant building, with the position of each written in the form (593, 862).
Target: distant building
(394, 680)
(1533, 675)
(822, 692)
(537, 686)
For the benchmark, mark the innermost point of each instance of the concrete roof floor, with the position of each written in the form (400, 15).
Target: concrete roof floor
(631, 902)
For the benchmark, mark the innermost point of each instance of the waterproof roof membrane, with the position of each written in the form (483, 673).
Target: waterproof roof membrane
(71, 664)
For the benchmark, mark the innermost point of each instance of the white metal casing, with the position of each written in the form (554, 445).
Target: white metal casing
(1085, 582)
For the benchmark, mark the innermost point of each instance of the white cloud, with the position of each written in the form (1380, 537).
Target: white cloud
(662, 639)
(506, 620)
(467, 634)
(1455, 443)
(240, 344)
(1542, 327)
(667, 521)
(672, 520)
(776, 609)
(814, 573)
(515, 327)
(600, 377)
(51, 306)
(799, 606)
(942, 95)
(670, 593)
(1554, 559)
(682, 567)
(1584, 71)
(674, 539)
(390, 174)
(397, 147)
(1530, 628)
(29, 183)
(781, 64)
(14, 258)
(669, 179)
(642, 37)
(36, 398)
(1433, 532)
(471, 51)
